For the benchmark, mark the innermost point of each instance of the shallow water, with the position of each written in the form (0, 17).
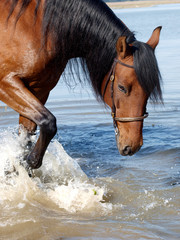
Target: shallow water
(85, 189)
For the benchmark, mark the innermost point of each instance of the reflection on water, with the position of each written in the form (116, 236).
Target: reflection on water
(85, 189)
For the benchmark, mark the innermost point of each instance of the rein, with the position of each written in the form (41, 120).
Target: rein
(111, 78)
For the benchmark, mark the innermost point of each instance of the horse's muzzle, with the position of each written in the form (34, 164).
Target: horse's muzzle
(126, 150)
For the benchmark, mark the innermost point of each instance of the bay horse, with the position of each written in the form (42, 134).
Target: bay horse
(39, 37)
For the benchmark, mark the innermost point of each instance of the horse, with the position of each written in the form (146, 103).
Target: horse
(37, 40)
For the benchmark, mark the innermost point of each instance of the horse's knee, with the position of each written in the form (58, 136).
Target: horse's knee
(48, 125)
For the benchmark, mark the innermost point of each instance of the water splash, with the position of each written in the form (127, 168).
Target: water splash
(59, 180)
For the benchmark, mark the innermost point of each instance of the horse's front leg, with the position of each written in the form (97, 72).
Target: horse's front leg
(14, 93)
(28, 127)
(48, 129)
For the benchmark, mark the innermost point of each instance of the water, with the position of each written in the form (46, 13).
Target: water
(85, 189)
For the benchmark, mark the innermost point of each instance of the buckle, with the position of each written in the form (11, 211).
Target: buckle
(112, 114)
(112, 78)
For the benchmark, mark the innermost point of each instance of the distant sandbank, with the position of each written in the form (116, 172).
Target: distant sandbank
(137, 4)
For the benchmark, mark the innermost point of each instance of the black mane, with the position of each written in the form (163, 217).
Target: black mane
(89, 30)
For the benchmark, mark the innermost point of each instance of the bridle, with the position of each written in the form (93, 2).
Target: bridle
(111, 78)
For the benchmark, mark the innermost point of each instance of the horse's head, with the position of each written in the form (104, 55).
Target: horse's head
(126, 95)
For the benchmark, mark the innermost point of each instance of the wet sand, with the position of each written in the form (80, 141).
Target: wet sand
(137, 4)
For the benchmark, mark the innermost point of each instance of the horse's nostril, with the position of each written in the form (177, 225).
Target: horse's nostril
(127, 151)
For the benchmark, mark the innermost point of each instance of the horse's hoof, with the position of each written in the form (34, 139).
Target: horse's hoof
(33, 163)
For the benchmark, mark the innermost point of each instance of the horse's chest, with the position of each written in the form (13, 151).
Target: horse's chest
(43, 76)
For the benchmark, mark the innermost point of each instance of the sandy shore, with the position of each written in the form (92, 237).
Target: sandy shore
(136, 4)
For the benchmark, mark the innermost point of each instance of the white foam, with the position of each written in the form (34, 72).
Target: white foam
(77, 196)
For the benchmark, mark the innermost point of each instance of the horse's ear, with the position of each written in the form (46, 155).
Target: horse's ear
(122, 47)
(154, 39)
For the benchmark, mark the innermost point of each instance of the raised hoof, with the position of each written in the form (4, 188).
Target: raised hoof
(33, 163)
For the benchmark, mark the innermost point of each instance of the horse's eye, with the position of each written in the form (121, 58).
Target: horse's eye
(122, 89)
